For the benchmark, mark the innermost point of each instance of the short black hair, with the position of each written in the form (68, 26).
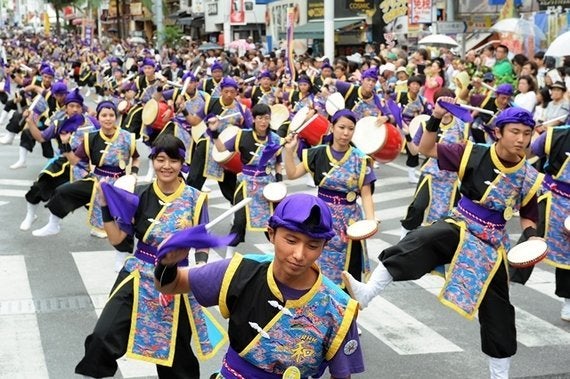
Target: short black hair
(260, 110)
(168, 143)
(416, 79)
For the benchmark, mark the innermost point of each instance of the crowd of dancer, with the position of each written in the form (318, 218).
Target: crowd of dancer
(468, 127)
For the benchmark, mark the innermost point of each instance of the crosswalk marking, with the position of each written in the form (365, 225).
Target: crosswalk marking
(12, 192)
(543, 282)
(97, 272)
(16, 182)
(402, 332)
(532, 331)
(21, 347)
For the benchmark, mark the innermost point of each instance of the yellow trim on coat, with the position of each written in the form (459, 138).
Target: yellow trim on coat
(548, 141)
(91, 198)
(108, 141)
(202, 199)
(165, 199)
(465, 159)
(238, 140)
(334, 161)
(174, 330)
(351, 312)
(497, 161)
(305, 161)
(54, 174)
(348, 92)
(533, 190)
(195, 340)
(226, 281)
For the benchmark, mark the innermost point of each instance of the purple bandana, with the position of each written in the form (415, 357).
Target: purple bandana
(305, 214)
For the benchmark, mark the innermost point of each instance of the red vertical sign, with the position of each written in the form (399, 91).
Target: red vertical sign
(237, 12)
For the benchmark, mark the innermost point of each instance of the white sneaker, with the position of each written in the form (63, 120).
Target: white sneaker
(98, 233)
(565, 312)
(17, 165)
(412, 178)
(48, 230)
(28, 221)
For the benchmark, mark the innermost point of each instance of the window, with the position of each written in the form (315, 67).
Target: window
(248, 6)
(212, 9)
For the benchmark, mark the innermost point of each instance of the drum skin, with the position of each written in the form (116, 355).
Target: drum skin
(383, 142)
(153, 113)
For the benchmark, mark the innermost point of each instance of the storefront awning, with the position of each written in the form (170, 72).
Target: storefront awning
(189, 20)
(316, 29)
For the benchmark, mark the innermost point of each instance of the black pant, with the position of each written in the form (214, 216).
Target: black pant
(28, 142)
(44, 187)
(240, 221)
(428, 247)
(416, 211)
(109, 339)
(14, 124)
(70, 196)
(196, 177)
(412, 160)
(478, 135)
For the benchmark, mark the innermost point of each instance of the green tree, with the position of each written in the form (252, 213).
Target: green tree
(172, 35)
(58, 6)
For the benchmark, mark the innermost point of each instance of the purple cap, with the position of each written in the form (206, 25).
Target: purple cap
(371, 73)
(106, 104)
(149, 62)
(265, 74)
(488, 77)
(228, 82)
(326, 65)
(190, 75)
(130, 86)
(514, 115)
(59, 88)
(70, 124)
(505, 89)
(47, 71)
(305, 214)
(74, 97)
(216, 66)
(304, 79)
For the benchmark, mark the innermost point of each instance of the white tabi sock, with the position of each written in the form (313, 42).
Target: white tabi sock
(30, 216)
(565, 312)
(364, 293)
(50, 229)
(22, 159)
(8, 138)
(412, 178)
(499, 367)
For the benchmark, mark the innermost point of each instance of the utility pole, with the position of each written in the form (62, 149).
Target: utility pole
(227, 25)
(329, 29)
(159, 22)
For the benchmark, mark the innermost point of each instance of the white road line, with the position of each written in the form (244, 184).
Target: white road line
(391, 213)
(4, 203)
(544, 282)
(532, 331)
(20, 343)
(401, 332)
(98, 275)
(16, 182)
(403, 193)
(12, 193)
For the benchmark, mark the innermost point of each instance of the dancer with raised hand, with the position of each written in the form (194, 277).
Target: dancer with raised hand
(342, 174)
(286, 319)
(136, 320)
(496, 181)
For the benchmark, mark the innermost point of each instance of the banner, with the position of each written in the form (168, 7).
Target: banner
(289, 54)
(237, 12)
(420, 11)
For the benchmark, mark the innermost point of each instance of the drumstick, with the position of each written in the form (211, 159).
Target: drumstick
(25, 68)
(559, 118)
(488, 86)
(482, 110)
(185, 85)
(297, 131)
(230, 211)
(197, 70)
(85, 128)
(227, 116)
(251, 79)
(128, 78)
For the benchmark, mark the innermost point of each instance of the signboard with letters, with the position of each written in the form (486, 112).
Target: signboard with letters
(420, 11)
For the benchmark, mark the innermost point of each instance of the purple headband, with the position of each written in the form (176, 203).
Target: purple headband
(216, 66)
(106, 104)
(189, 75)
(343, 113)
(157, 150)
(265, 74)
(514, 115)
(304, 213)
